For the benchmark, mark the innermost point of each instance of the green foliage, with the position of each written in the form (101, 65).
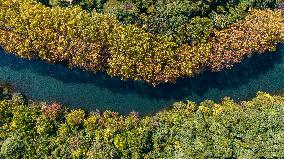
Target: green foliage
(136, 54)
(60, 3)
(18, 98)
(160, 41)
(75, 117)
(12, 147)
(252, 129)
(198, 30)
(88, 5)
(221, 130)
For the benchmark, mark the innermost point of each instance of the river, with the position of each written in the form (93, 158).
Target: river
(76, 88)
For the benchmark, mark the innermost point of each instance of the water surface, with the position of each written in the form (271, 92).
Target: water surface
(75, 88)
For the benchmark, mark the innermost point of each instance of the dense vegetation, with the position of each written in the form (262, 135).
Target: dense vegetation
(99, 42)
(155, 41)
(185, 21)
(252, 129)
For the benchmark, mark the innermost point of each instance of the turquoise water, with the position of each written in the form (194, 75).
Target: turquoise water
(39, 80)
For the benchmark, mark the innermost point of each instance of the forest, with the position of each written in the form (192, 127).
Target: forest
(148, 47)
(249, 129)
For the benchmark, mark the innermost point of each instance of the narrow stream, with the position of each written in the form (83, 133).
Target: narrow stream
(39, 80)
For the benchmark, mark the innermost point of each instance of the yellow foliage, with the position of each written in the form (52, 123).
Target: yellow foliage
(97, 42)
(259, 32)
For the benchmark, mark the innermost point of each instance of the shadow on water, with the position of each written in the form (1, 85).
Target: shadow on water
(42, 81)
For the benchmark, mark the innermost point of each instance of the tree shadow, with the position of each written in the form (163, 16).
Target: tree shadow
(250, 68)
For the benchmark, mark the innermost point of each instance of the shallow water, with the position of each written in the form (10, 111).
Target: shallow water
(39, 80)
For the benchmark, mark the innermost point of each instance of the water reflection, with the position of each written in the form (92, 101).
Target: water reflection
(49, 82)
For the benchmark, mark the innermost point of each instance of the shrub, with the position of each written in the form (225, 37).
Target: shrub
(53, 110)
(18, 98)
(75, 117)
(100, 149)
(6, 109)
(137, 54)
(198, 30)
(12, 147)
(44, 125)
